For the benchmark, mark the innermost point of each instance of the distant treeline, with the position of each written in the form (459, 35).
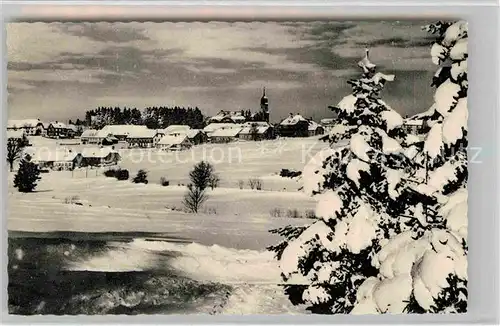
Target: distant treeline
(152, 117)
(162, 117)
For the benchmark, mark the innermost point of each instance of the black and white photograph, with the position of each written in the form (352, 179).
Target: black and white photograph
(237, 168)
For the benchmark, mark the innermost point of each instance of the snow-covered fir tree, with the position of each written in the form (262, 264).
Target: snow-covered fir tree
(425, 269)
(392, 230)
(357, 186)
(27, 175)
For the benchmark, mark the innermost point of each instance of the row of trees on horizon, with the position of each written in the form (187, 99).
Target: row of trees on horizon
(153, 117)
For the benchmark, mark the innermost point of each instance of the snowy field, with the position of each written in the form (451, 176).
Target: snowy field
(232, 217)
(225, 243)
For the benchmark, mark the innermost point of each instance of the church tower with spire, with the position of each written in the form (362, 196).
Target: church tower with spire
(264, 105)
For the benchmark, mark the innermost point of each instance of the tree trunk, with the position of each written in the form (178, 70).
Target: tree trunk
(11, 164)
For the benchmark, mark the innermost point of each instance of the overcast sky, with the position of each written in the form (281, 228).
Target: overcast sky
(57, 71)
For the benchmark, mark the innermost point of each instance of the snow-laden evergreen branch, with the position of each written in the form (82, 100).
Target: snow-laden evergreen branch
(392, 207)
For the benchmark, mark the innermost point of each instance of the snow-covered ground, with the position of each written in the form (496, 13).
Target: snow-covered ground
(226, 242)
(231, 217)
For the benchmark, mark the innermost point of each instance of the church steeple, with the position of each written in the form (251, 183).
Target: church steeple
(264, 105)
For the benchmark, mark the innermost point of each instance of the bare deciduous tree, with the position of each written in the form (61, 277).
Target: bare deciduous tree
(214, 181)
(194, 198)
(14, 150)
(255, 183)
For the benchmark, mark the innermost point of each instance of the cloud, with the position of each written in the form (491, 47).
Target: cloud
(259, 84)
(104, 32)
(42, 42)
(215, 65)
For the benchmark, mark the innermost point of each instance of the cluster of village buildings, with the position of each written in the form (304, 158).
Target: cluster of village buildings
(224, 127)
(36, 127)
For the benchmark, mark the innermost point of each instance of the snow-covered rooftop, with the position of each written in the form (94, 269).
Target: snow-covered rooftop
(176, 129)
(173, 140)
(258, 123)
(292, 120)
(235, 116)
(131, 131)
(238, 118)
(229, 132)
(260, 130)
(89, 133)
(59, 125)
(26, 123)
(313, 125)
(214, 126)
(142, 133)
(193, 132)
(327, 121)
(219, 116)
(95, 152)
(413, 122)
(43, 154)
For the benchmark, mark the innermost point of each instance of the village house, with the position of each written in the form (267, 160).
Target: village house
(57, 130)
(109, 140)
(159, 133)
(121, 132)
(143, 138)
(73, 130)
(225, 135)
(294, 126)
(197, 136)
(227, 117)
(176, 129)
(31, 127)
(99, 156)
(414, 126)
(90, 136)
(42, 129)
(174, 143)
(131, 135)
(256, 131)
(211, 128)
(68, 162)
(59, 159)
(328, 123)
(315, 128)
